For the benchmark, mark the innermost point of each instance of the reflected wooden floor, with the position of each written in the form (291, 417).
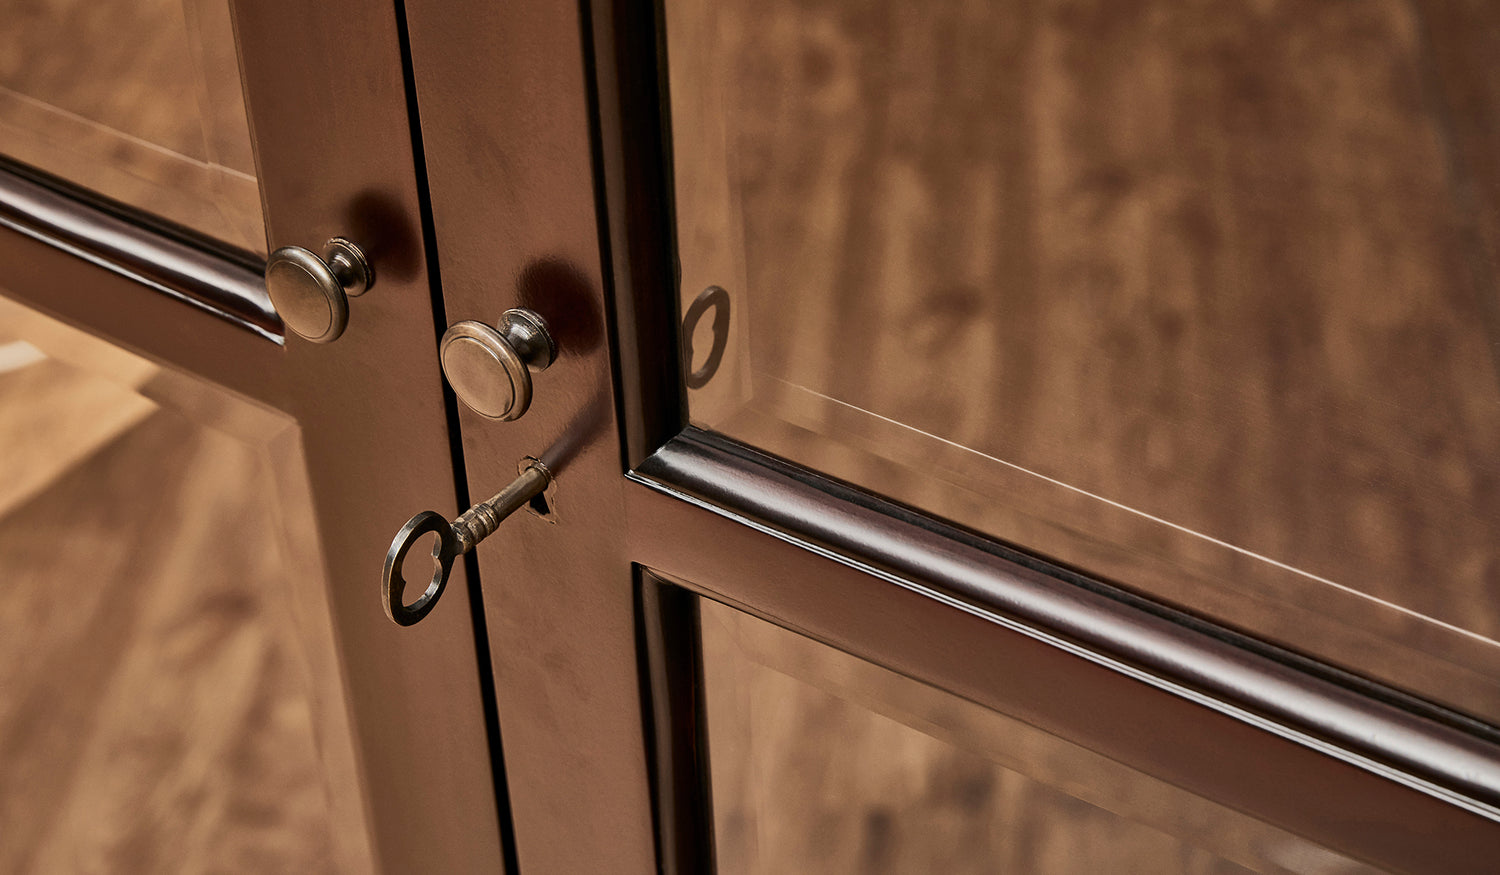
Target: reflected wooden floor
(825, 763)
(152, 716)
(1201, 298)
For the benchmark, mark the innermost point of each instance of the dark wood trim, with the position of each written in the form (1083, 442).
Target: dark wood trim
(477, 617)
(224, 287)
(1347, 771)
(1406, 739)
(506, 130)
(327, 95)
(190, 308)
(625, 53)
(140, 307)
(675, 731)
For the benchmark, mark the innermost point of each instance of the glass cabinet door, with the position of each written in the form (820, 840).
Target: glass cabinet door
(139, 102)
(1017, 426)
(1198, 298)
(167, 703)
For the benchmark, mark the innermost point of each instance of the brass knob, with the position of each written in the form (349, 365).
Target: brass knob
(490, 368)
(311, 294)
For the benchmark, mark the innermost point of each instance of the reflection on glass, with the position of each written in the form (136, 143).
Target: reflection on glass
(1201, 298)
(820, 762)
(139, 100)
(156, 709)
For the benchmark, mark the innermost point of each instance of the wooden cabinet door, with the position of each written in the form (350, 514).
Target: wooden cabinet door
(114, 219)
(956, 531)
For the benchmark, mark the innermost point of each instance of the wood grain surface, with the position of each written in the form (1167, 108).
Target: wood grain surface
(153, 713)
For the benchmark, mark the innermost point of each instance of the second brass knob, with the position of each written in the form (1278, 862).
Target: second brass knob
(490, 367)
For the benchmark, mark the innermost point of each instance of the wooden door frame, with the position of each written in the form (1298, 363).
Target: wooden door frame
(406, 716)
(541, 119)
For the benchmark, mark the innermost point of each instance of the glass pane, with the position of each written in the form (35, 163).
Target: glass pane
(160, 705)
(139, 100)
(1199, 297)
(820, 762)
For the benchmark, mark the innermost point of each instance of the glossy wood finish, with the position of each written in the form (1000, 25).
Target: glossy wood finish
(225, 283)
(521, 183)
(1457, 756)
(638, 244)
(824, 762)
(676, 730)
(940, 605)
(147, 292)
(505, 123)
(329, 115)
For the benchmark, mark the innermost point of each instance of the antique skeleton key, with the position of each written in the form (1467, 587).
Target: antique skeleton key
(453, 540)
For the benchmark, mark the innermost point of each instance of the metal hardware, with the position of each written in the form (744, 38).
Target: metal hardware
(490, 368)
(311, 294)
(453, 540)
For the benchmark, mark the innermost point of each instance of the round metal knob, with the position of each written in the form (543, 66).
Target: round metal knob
(490, 368)
(311, 294)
